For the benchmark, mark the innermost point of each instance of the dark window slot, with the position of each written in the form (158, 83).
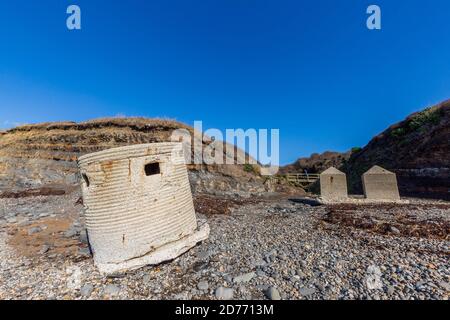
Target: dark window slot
(152, 169)
(86, 179)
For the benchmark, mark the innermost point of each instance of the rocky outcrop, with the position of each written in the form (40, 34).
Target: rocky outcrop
(417, 149)
(44, 155)
(317, 163)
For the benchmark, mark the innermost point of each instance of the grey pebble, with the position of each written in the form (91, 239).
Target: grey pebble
(224, 293)
(244, 277)
(111, 290)
(86, 290)
(203, 285)
(272, 293)
(307, 291)
(34, 230)
(44, 249)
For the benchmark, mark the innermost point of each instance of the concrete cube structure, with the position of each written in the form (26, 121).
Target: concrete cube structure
(380, 184)
(138, 205)
(333, 184)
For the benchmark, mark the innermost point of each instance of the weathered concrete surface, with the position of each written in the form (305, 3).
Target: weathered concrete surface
(138, 205)
(380, 184)
(333, 184)
(166, 252)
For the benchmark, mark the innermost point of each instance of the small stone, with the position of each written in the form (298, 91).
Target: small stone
(273, 294)
(11, 220)
(394, 230)
(390, 290)
(34, 230)
(84, 237)
(306, 291)
(260, 273)
(203, 255)
(86, 290)
(44, 249)
(224, 293)
(373, 277)
(301, 274)
(203, 285)
(74, 277)
(146, 279)
(71, 232)
(263, 287)
(111, 290)
(420, 285)
(84, 252)
(260, 263)
(11, 232)
(24, 223)
(199, 266)
(182, 296)
(445, 285)
(244, 277)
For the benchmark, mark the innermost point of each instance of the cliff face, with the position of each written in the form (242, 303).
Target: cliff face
(43, 156)
(417, 149)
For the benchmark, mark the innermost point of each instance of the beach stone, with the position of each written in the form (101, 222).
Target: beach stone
(111, 290)
(224, 293)
(244, 277)
(203, 285)
(34, 230)
(272, 293)
(86, 290)
(307, 291)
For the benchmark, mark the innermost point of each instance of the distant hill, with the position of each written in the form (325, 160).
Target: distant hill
(317, 163)
(417, 149)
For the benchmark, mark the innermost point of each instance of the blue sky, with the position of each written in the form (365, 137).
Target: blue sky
(310, 68)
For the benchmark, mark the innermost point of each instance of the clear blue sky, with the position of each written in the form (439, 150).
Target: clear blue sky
(310, 68)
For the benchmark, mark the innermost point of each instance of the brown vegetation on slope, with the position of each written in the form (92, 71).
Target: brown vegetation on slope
(37, 155)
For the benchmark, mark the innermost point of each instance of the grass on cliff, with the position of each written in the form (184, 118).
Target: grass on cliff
(419, 122)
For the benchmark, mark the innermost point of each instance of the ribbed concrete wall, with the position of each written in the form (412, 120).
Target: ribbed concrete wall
(130, 214)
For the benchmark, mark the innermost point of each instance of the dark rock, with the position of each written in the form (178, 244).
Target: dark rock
(272, 293)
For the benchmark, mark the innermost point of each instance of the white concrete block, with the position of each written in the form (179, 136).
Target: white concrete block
(138, 205)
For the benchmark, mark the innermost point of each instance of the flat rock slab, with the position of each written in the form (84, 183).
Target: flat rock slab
(244, 277)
